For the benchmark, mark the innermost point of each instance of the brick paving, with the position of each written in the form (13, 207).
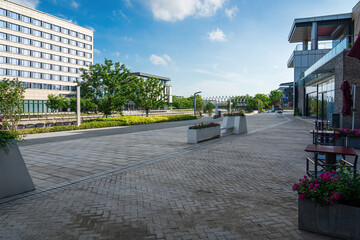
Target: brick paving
(237, 187)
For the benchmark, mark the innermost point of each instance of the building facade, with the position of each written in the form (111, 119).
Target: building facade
(44, 52)
(321, 64)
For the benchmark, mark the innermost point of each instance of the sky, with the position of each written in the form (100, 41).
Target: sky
(219, 47)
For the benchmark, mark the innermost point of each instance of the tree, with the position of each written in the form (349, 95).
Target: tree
(11, 102)
(182, 103)
(200, 103)
(264, 98)
(107, 85)
(148, 93)
(276, 94)
(57, 102)
(73, 104)
(209, 108)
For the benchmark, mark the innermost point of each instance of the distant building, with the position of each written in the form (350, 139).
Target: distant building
(287, 90)
(321, 64)
(43, 51)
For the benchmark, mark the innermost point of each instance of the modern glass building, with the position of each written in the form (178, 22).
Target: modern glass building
(321, 63)
(44, 52)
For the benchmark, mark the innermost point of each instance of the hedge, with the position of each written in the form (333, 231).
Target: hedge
(109, 122)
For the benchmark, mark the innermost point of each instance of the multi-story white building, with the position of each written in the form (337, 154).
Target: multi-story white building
(44, 52)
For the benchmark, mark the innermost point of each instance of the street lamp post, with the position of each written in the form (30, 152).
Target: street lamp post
(195, 102)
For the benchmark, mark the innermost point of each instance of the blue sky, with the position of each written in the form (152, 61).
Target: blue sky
(219, 47)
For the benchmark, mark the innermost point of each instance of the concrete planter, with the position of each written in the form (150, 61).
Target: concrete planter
(234, 125)
(14, 175)
(198, 135)
(352, 142)
(339, 221)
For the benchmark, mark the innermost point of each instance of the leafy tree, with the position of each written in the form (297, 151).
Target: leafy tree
(11, 102)
(57, 102)
(182, 103)
(107, 85)
(73, 104)
(276, 94)
(209, 108)
(264, 98)
(200, 103)
(148, 93)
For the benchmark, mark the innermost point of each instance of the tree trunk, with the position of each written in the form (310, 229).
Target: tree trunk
(147, 112)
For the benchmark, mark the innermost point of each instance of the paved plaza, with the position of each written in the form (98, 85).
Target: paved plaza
(145, 182)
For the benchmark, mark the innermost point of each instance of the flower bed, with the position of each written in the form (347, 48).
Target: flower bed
(234, 114)
(204, 125)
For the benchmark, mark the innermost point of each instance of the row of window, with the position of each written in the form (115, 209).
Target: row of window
(46, 25)
(49, 36)
(35, 43)
(27, 63)
(48, 86)
(32, 53)
(27, 74)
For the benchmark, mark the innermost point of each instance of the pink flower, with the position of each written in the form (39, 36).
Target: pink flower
(302, 196)
(295, 187)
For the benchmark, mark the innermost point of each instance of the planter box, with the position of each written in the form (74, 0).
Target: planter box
(352, 142)
(234, 125)
(198, 135)
(339, 221)
(14, 175)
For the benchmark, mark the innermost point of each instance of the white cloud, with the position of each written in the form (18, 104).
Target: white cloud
(160, 60)
(75, 4)
(116, 54)
(217, 36)
(231, 12)
(97, 51)
(179, 9)
(29, 3)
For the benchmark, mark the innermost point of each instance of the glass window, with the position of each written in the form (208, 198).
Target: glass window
(2, 48)
(56, 67)
(81, 54)
(46, 45)
(25, 19)
(56, 28)
(65, 50)
(46, 66)
(73, 61)
(3, 24)
(13, 61)
(36, 33)
(65, 40)
(2, 71)
(56, 77)
(46, 56)
(72, 79)
(36, 75)
(66, 88)
(72, 42)
(87, 46)
(81, 62)
(37, 86)
(88, 38)
(46, 35)
(65, 78)
(36, 54)
(65, 59)
(88, 63)
(36, 64)
(80, 44)
(55, 57)
(72, 70)
(72, 33)
(36, 22)
(26, 85)
(46, 25)
(65, 31)
(25, 41)
(13, 73)
(25, 63)
(2, 12)
(2, 59)
(26, 30)
(36, 43)
(65, 69)
(80, 35)
(56, 38)
(14, 38)
(14, 27)
(14, 15)
(3, 36)
(56, 48)
(88, 55)
(46, 76)
(72, 51)
(25, 74)
(56, 87)
(47, 86)
(25, 52)
(13, 49)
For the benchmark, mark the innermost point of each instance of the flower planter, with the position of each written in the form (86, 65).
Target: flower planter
(339, 221)
(14, 175)
(234, 125)
(352, 142)
(198, 135)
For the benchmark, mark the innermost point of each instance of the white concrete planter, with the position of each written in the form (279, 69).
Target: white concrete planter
(198, 135)
(339, 221)
(14, 175)
(234, 125)
(279, 113)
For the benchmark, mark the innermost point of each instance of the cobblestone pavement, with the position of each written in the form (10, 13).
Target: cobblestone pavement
(237, 187)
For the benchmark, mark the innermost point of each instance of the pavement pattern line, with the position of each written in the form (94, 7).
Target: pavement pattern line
(93, 177)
